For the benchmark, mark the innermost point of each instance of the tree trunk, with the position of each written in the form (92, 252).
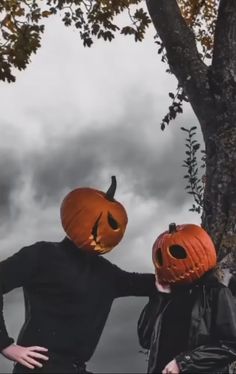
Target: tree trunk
(219, 214)
(212, 95)
(220, 195)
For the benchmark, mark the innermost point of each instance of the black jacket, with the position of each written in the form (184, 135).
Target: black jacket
(232, 284)
(68, 295)
(211, 343)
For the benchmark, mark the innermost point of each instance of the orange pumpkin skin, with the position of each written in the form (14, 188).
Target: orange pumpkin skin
(92, 221)
(184, 255)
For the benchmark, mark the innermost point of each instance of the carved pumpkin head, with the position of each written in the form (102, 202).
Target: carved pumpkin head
(92, 219)
(183, 254)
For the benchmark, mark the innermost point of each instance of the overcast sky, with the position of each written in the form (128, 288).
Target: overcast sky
(75, 117)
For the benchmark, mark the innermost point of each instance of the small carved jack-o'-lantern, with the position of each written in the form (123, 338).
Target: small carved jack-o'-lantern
(183, 254)
(92, 219)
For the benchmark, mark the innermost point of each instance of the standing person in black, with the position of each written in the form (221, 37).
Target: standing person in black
(68, 288)
(189, 326)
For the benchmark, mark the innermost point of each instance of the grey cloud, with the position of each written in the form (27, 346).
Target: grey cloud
(122, 148)
(131, 147)
(10, 179)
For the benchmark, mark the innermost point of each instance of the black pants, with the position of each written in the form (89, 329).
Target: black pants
(55, 365)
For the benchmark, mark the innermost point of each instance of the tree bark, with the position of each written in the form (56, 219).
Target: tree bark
(220, 193)
(212, 95)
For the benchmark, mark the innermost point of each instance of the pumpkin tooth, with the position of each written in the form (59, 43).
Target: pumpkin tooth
(98, 247)
(91, 237)
(104, 250)
(93, 242)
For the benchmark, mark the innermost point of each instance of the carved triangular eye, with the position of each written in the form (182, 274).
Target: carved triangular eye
(112, 222)
(177, 252)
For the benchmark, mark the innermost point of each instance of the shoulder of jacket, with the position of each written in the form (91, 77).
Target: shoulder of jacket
(213, 282)
(37, 247)
(105, 262)
(40, 244)
(111, 268)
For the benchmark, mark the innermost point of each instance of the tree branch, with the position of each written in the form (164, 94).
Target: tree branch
(183, 56)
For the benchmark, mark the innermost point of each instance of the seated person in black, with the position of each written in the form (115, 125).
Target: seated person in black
(68, 288)
(189, 326)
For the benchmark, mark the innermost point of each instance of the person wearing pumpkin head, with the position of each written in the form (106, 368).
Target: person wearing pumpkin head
(68, 288)
(189, 326)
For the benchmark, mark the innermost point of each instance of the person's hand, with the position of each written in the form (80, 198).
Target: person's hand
(165, 288)
(26, 356)
(171, 368)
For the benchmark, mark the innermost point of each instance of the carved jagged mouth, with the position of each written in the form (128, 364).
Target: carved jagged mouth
(95, 238)
(184, 276)
(95, 229)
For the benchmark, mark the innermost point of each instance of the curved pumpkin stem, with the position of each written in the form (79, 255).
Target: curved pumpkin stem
(112, 189)
(172, 228)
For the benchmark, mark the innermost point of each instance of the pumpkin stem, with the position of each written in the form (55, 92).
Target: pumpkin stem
(112, 189)
(172, 228)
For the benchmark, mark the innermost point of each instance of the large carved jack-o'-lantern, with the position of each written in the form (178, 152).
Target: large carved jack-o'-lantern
(183, 254)
(92, 219)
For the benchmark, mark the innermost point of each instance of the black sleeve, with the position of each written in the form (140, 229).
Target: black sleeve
(210, 357)
(15, 271)
(148, 317)
(132, 284)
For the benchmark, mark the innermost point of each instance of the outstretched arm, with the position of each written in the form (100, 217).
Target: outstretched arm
(133, 284)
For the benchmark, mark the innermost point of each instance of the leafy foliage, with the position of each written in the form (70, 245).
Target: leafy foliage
(20, 35)
(22, 25)
(195, 182)
(175, 107)
(201, 16)
(23, 21)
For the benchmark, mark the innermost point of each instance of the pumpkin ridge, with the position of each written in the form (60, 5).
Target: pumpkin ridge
(194, 263)
(205, 252)
(77, 212)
